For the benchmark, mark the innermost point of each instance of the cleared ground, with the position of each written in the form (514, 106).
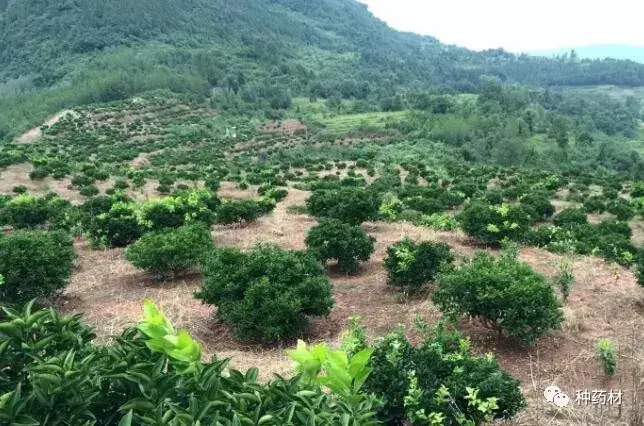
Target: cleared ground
(605, 302)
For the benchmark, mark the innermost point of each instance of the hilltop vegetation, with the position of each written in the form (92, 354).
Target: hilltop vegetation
(59, 55)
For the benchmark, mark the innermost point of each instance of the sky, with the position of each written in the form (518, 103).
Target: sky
(518, 25)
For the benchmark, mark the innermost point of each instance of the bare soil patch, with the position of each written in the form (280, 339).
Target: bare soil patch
(34, 134)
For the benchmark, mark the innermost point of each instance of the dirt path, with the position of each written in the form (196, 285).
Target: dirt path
(34, 134)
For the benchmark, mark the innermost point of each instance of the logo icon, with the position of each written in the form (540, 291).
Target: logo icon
(555, 395)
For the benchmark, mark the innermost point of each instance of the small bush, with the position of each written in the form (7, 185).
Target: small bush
(571, 216)
(350, 205)
(34, 264)
(441, 222)
(565, 279)
(166, 253)
(606, 356)
(238, 211)
(410, 265)
(621, 209)
(266, 294)
(540, 204)
(26, 211)
(493, 224)
(595, 204)
(407, 379)
(117, 227)
(508, 295)
(333, 239)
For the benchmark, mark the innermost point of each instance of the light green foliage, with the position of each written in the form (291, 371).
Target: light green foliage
(440, 221)
(51, 373)
(162, 337)
(408, 378)
(605, 354)
(333, 369)
(565, 278)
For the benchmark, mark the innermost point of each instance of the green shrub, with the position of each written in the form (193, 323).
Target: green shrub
(621, 209)
(606, 356)
(52, 373)
(441, 222)
(333, 239)
(350, 205)
(26, 211)
(266, 294)
(410, 265)
(34, 264)
(565, 279)
(166, 253)
(408, 378)
(571, 216)
(639, 268)
(238, 211)
(492, 224)
(595, 204)
(89, 191)
(506, 294)
(540, 204)
(20, 189)
(637, 189)
(117, 227)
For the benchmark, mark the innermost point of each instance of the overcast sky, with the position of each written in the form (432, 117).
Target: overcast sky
(518, 25)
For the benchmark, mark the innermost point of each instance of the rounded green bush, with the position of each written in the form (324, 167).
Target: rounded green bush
(410, 265)
(166, 253)
(350, 205)
(266, 294)
(333, 239)
(571, 216)
(492, 224)
(34, 264)
(506, 294)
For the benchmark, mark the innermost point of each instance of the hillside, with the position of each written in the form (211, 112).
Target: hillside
(614, 51)
(58, 55)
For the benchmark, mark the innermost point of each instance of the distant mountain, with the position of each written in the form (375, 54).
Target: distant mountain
(614, 51)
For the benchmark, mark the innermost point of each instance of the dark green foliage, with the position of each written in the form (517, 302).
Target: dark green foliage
(26, 211)
(238, 211)
(34, 264)
(506, 294)
(165, 253)
(571, 216)
(335, 240)
(595, 204)
(540, 203)
(492, 224)
(350, 205)
(51, 372)
(441, 359)
(639, 268)
(410, 265)
(117, 227)
(620, 208)
(266, 294)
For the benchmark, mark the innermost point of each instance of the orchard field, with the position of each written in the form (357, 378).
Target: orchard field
(253, 233)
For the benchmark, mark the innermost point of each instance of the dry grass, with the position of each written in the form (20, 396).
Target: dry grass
(18, 174)
(604, 302)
